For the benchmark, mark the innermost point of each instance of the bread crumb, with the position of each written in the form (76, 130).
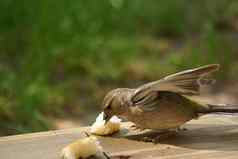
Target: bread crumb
(81, 148)
(99, 127)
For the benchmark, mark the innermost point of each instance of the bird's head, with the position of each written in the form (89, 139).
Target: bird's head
(112, 104)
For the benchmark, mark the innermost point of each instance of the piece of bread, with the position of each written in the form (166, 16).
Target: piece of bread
(81, 148)
(99, 127)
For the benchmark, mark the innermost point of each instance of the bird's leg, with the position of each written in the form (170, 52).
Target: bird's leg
(106, 155)
(164, 135)
(159, 136)
(135, 127)
(180, 129)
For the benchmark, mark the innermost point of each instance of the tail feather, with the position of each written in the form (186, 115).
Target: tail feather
(220, 108)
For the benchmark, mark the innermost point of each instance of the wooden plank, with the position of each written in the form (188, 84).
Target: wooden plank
(210, 137)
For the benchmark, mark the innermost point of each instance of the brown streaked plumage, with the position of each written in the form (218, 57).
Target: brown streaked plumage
(162, 104)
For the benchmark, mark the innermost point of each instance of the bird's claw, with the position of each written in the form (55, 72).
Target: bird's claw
(148, 139)
(135, 128)
(159, 137)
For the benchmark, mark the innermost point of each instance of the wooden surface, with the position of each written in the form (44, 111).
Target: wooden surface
(210, 137)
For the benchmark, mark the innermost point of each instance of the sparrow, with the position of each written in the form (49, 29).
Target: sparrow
(164, 104)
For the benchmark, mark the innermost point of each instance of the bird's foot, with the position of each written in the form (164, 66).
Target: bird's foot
(148, 139)
(181, 129)
(136, 128)
(159, 137)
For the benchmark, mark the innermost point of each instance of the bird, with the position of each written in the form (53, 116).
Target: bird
(164, 104)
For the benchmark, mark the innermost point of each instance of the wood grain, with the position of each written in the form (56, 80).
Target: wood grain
(209, 137)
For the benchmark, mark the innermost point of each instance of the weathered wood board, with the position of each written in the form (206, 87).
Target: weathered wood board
(210, 137)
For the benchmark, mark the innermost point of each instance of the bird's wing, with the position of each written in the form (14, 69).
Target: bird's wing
(187, 82)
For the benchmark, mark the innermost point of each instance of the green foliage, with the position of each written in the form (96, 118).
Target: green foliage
(59, 57)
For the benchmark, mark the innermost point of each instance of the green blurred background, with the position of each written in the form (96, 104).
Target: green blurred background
(58, 58)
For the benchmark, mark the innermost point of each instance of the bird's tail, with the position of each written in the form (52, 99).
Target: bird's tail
(220, 108)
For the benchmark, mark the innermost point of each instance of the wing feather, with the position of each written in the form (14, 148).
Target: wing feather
(187, 82)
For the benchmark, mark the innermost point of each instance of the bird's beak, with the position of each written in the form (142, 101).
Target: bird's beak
(106, 117)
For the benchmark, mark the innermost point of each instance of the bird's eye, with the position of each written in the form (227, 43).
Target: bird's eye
(109, 107)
